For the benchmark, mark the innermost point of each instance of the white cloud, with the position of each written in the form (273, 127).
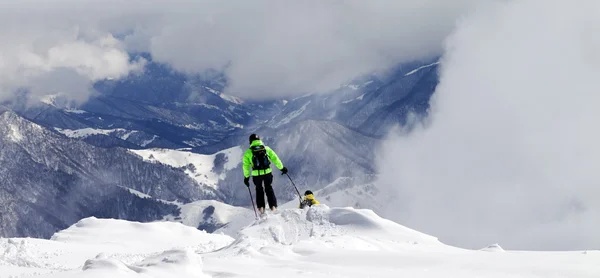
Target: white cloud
(53, 52)
(290, 48)
(510, 153)
(267, 47)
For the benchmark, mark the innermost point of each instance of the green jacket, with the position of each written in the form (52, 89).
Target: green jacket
(247, 161)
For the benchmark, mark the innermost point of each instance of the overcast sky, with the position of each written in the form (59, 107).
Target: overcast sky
(267, 48)
(511, 152)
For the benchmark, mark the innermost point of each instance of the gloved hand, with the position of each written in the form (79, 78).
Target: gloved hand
(247, 181)
(284, 171)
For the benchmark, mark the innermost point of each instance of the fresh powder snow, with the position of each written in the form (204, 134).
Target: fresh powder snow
(232, 218)
(314, 242)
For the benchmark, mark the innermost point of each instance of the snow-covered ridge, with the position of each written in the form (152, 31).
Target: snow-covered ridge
(111, 248)
(316, 242)
(85, 132)
(420, 68)
(343, 228)
(205, 169)
(226, 97)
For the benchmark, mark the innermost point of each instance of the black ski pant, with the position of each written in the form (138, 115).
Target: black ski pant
(266, 181)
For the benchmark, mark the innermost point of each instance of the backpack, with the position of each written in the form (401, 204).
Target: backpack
(260, 159)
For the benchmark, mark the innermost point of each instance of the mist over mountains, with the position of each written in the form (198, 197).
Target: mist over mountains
(78, 158)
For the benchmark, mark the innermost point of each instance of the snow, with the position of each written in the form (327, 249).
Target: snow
(195, 142)
(195, 126)
(357, 98)
(75, 111)
(293, 114)
(137, 193)
(147, 142)
(49, 99)
(225, 97)
(315, 242)
(126, 135)
(212, 90)
(209, 106)
(493, 248)
(203, 165)
(231, 99)
(85, 132)
(356, 86)
(231, 123)
(420, 68)
(111, 248)
(234, 218)
(116, 132)
(15, 134)
(352, 192)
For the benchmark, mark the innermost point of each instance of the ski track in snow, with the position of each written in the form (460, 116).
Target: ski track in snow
(315, 242)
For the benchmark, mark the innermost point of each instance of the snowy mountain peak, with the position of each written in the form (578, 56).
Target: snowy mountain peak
(319, 242)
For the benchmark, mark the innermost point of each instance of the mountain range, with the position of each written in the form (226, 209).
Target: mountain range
(144, 146)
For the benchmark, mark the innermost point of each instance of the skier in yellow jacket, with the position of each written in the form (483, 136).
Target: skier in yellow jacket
(257, 163)
(309, 199)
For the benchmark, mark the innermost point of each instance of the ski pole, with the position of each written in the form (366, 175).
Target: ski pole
(252, 200)
(299, 196)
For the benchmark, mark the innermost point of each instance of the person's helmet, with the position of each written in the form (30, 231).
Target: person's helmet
(307, 192)
(253, 137)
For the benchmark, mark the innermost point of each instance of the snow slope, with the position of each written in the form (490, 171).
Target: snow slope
(205, 169)
(356, 192)
(315, 242)
(85, 132)
(101, 247)
(211, 215)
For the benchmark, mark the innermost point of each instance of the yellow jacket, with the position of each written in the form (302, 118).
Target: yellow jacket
(309, 200)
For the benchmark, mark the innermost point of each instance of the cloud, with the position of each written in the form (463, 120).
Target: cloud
(510, 152)
(267, 47)
(48, 54)
(272, 48)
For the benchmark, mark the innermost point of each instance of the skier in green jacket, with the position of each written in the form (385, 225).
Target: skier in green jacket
(257, 163)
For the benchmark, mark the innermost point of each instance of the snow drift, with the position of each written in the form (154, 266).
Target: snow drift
(316, 242)
(112, 248)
